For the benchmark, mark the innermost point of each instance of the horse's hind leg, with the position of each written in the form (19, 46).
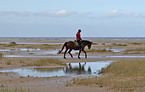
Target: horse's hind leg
(65, 53)
(70, 53)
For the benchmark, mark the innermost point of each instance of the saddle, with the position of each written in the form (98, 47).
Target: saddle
(75, 41)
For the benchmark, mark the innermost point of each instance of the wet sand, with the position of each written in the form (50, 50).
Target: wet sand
(57, 84)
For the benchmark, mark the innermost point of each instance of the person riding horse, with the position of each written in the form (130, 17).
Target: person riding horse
(79, 45)
(78, 38)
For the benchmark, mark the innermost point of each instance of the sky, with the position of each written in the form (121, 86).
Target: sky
(63, 18)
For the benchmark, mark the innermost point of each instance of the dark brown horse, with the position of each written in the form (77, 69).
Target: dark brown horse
(75, 46)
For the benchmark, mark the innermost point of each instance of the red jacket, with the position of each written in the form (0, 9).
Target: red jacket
(78, 36)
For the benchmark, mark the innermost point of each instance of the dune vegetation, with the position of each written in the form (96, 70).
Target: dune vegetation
(121, 75)
(48, 61)
(98, 50)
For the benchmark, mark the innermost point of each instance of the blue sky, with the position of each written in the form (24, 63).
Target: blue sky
(62, 18)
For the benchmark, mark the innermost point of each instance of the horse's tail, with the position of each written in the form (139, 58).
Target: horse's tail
(62, 48)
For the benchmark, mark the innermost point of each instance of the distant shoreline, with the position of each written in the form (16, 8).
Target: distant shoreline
(49, 38)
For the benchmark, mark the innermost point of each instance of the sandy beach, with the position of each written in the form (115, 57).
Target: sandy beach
(28, 51)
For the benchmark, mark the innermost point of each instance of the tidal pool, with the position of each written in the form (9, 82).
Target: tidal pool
(85, 68)
(20, 49)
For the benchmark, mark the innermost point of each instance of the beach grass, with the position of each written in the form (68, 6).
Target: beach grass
(121, 75)
(9, 62)
(11, 44)
(137, 49)
(115, 44)
(14, 90)
(48, 61)
(24, 62)
(47, 46)
(1, 55)
(135, 43)
(41, 46)
(98, 50)
(95, 43)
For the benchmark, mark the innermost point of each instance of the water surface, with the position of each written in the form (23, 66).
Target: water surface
(85, 68)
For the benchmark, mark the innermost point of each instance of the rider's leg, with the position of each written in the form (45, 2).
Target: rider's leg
(79, 42)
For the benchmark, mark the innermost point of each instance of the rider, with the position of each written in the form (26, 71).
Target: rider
(78, 38)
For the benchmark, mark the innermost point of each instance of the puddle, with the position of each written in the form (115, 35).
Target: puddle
(20, 49)
(5, 50)
(26, 49)
(91, 68)
(47, 52)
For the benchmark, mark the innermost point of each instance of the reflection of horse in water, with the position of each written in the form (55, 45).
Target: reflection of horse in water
(75, 46)
(80, 69)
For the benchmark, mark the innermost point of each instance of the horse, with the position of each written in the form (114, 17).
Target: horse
(72, 45)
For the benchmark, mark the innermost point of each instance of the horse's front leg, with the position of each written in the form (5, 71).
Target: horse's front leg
(79, 54)
(85, 53)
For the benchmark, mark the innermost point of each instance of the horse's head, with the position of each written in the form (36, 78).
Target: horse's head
(89, 45)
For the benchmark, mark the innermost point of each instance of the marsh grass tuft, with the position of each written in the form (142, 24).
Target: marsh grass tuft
(103, 44)
(119, 44)
(14, 90)
(137, 49)
(1, 55)
(8, 62)
(11, 44)
(121, 75)
(48, 61)
(95, 43)
(47, 46)
(135, 43)
(98, 50)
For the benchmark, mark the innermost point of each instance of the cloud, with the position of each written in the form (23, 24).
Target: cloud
(61, 13)
(49, 13)
(87, 14)
(118, 13)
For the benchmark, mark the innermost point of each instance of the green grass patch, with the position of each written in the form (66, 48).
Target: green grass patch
(137, 49)
(98, 50)
(11, 44)
(103, 44)
(95, 43)
(47, 46)
(1, 55)
(126, 68)
(8, 62)
(119, 44)
(121, 75)
(48, 61)
(14, 90)
(133, 52)
(135, 43)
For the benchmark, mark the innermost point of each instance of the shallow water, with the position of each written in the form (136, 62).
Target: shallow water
(91, 68)
(20, 49)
